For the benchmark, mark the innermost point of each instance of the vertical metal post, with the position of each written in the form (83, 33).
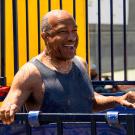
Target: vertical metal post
(38, 14)
(125, 40)
(111, 41)
(74, 9)
(49, 5)
(28, 129)
(99, 38)
(130, 124)
(59, 128)
(93, 127)
(86, 16)
(60, 4)
(27, 31)
(0, 37)
(3, 38)
(15, 35)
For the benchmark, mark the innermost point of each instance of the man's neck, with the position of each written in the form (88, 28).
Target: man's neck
(63, 66)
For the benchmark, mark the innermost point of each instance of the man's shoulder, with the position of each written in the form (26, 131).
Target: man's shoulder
(28, 69)
(82, 62)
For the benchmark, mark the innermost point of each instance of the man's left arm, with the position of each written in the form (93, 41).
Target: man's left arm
(101, 102)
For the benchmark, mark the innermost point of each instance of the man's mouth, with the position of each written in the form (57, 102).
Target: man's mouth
(72, 45)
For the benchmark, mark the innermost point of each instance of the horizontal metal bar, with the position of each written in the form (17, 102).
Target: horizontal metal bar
(113, 82)
(73, 117)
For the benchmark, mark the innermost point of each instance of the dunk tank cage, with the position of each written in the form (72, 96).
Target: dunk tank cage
(20, 41)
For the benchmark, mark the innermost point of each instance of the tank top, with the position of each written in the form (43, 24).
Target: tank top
(65, 93)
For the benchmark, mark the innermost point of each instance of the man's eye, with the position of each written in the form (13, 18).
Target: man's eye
(75, 30)
(63, 31)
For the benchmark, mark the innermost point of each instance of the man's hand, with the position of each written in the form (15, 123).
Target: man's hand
(127, 99)
(7, 113)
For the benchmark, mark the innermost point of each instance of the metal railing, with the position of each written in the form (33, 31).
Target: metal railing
(60, 118)
(15, 35)
(93, 118)
(112, 81)
(15, 31)
(112, 40)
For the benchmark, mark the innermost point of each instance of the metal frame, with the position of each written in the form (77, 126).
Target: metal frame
(59, 118)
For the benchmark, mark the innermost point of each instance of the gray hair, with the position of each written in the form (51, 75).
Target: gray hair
(45, 26)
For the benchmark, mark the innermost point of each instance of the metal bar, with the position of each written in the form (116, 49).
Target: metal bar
(86, 16)
(38, 14)
(93, 127)
(130, 125)
(60, 4)
(59, 128)
(27, 31)
(99, 38)
(3, 38)
(110, 82)
(15, 35)
(125, 39)
(28, 129)
(71, 117)
(49, 5)
(74, 9)
(111, 41)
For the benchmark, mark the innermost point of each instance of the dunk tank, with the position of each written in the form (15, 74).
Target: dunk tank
(115, 121)
(20, 24)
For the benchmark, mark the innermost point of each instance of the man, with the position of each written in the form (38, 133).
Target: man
(56, 81)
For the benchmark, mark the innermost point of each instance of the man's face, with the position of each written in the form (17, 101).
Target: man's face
(63, 39)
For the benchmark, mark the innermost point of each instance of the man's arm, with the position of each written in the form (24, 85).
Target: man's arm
(105, 102)
(19, 92)
(101, 102)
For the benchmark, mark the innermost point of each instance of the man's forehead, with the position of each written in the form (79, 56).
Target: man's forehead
(64, 26)
(63, 22)
(56, 18)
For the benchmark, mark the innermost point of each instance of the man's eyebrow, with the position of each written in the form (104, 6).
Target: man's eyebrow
(63, 28)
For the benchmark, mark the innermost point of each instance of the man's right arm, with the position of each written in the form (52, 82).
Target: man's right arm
(18, 94)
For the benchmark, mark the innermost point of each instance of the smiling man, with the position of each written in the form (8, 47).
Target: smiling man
(56, 81)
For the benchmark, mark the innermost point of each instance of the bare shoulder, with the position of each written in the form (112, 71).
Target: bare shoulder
(84, 63)
(26, 76)
(25, 82)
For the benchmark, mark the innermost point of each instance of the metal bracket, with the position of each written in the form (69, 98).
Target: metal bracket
(112, 118)
(33, 118)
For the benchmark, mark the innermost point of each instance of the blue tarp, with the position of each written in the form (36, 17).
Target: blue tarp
(68, 129)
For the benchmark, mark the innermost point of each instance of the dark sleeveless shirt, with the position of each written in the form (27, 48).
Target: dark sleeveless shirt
(65, 93)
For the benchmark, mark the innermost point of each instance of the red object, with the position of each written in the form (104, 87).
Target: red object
(126, 87)
(4, 90)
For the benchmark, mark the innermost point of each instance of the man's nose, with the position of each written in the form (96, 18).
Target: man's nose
(72, 36)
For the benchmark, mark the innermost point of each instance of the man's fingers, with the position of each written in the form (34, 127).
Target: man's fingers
(2, 114)
(13, 110)
(7, 114)
(128, 104)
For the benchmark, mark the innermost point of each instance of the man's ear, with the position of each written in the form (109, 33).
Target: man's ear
(44, 35)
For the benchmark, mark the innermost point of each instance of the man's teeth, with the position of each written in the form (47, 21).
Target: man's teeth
(69, 45)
